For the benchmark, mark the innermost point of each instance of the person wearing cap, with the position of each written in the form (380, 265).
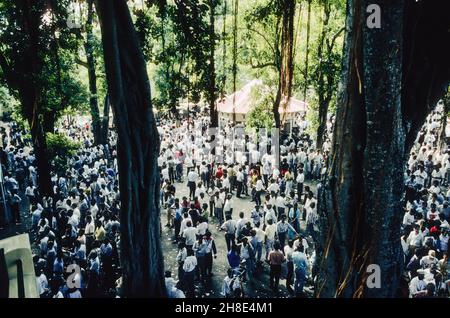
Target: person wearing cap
(428, 260)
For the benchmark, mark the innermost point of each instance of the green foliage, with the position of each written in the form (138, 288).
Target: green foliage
(260, 114)
(65, 93)
(7, 102)
(60, 148)
(43, 67)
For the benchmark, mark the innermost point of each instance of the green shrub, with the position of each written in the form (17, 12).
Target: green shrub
(260, 114)
(60, 149)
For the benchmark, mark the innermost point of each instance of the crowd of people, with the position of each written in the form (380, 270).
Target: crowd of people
(231, 197)
(76, 232)
(425, 223)
(275, 233)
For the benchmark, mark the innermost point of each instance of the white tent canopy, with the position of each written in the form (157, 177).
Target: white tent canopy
(243, 103)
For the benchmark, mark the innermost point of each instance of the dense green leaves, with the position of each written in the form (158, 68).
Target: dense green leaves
(60, 148)
(260, 115)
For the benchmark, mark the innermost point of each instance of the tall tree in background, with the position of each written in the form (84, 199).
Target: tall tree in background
(235, 49)
(138, 149)
(391, 78)
(21, 61)
(93, 99)
(326, 70)
(287, 56)
(308, 32)
(214, 116)
(224, 48)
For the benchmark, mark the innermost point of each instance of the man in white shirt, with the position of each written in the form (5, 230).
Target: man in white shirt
(273, 187)
(259, 188)
(428, 260)
(271, 231)
(192, 183)
(408, 218)
(239, 182)
(202, 227)
(417, 285)
(415, 237)
(228, 206)
(280, 203)
(189, 234)
(300, 181)
(240, 224)
(230, 231)
(190, 263)
(269, 214)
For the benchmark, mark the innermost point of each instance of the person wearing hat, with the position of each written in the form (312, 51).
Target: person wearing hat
(417, 285)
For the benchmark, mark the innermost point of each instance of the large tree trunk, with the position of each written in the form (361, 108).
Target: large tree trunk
(323, 104)
(105, 121)
(30, 103)
(214, 116)
(286, 63)
(138, 149)
(48, 122)
(376, 120)
(360, 201)
(323, 112)
(93, 100)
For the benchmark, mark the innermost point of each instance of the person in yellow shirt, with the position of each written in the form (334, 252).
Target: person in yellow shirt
(100, 232)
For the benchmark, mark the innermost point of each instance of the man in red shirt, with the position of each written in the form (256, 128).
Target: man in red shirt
(276, 258)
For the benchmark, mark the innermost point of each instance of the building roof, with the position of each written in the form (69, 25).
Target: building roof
(243, 101)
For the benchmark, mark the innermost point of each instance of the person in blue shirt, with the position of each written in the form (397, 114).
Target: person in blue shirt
(58, 264)
(233, 257)
(300, 266)
(294, 219)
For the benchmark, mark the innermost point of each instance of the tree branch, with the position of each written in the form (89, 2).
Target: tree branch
(265, 39)
(330, 45)
(81, 62)
(262, 65)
